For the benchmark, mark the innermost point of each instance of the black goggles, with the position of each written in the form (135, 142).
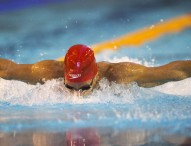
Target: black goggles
(83, 88)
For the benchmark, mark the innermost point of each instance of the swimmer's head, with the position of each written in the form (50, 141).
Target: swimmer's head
(80, 67)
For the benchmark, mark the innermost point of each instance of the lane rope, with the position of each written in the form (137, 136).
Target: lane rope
(144, 35)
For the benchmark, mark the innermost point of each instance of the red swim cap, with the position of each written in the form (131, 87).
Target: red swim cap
(79, 64)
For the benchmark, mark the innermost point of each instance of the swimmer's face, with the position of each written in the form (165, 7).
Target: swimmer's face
(79, 88)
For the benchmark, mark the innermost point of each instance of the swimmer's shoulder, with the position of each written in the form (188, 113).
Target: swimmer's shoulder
(102, 69)
(120, 71)
(48, 69)
(104, 65)
(49, 63)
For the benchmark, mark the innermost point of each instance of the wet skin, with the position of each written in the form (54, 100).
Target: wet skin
(122, 73)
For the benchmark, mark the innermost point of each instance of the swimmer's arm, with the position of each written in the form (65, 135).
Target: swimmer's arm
(174, 71)
(11, 71)
(149, 76)
(31, 73)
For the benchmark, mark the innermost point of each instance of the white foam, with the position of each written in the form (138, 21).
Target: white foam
(53, 91)
(176, 88)
(107, 56)
(127, 59)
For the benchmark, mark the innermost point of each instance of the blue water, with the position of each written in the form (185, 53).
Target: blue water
(45, 32)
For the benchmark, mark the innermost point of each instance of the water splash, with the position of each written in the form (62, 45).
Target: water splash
(54, 92)
(176, 88)
(127, 59)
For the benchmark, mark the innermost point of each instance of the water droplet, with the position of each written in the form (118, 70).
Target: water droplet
(152, 26)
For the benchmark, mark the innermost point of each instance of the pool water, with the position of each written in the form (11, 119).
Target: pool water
(117, 115)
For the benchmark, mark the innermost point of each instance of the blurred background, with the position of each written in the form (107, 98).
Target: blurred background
(33, 30)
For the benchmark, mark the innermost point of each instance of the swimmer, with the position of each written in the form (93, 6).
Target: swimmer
(82, 74)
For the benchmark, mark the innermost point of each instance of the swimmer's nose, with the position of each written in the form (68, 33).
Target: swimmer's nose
(77, 93)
